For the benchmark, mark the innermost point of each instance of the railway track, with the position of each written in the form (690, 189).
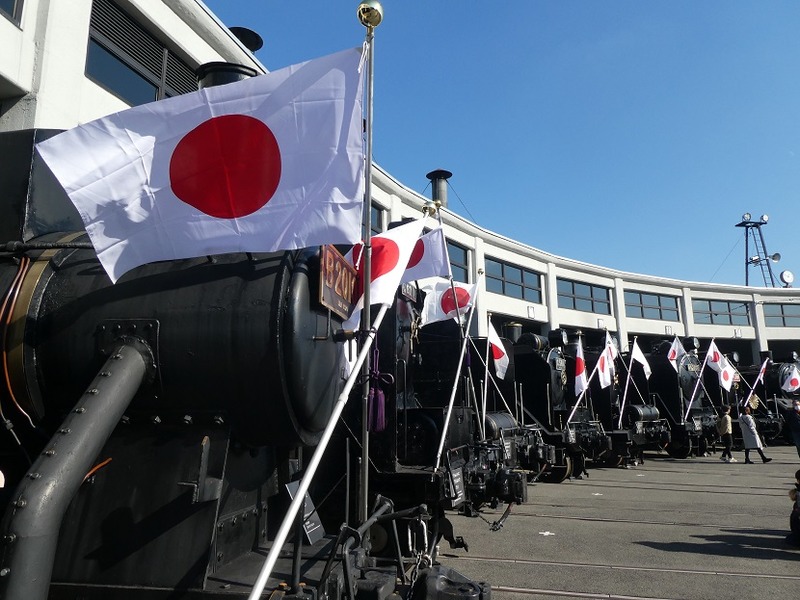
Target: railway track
(694, 529)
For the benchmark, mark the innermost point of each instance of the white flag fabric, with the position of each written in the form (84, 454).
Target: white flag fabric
(717, 361)
(273, 162)
(498, 352)
(581, 381)
(676, 350)
(440, 304)
(605, 364)
(638, 356)
(791, 381)
(391, 251)
(429, 258)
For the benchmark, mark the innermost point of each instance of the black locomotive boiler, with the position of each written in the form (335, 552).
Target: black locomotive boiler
(151, 427)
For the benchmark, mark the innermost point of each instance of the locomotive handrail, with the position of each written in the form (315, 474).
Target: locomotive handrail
(311, 469)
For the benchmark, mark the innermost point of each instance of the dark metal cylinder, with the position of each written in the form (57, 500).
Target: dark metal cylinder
(220, 73)
(439, 179)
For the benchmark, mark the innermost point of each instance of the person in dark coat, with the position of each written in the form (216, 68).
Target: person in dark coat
(793, 421)
(794, 519)
(750, 437)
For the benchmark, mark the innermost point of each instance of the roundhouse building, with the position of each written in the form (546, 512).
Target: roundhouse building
(65, 63)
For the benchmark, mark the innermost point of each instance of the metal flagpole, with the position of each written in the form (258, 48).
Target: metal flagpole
(370, 14)
(696, 386)
(311, 469)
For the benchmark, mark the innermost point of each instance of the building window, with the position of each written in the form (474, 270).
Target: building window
(720, 312)
(11, 9)
(458, 261)
(375, 219)
(641, 305)
(513, 281)
(782, 315)
(583, 296)
(130, 63)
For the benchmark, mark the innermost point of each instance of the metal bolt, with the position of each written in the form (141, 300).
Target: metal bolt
(34, 475)
(155, 420)
(93, 391)
(188, 419)
(10, 538)
(20, 503)
(105, 374)
(218, 420)
(64, 430)
(50, 452)
(80, 410)
(4, 572)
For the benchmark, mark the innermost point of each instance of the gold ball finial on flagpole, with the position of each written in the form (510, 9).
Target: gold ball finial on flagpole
(370, 13)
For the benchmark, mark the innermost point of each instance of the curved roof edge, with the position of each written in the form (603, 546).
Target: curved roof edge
(384, 180)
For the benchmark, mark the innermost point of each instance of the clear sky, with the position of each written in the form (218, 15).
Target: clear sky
(625, 133)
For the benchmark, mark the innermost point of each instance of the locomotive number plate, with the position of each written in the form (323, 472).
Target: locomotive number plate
(337, 281)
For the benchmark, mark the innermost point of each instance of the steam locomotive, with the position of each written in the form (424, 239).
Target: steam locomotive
(545, 375)
(627, 411)
(154, 428)
(674, 390)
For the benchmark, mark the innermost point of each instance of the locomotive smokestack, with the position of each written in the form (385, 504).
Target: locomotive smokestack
(439, 179)
(220, 73)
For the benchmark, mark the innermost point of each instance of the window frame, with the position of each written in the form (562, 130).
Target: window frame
(512, 277)
(568, 296)
(651, 306)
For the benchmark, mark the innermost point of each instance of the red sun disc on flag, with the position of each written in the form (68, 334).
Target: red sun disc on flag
(449, 303)
(794, 382)
(497, 352)
(715, 357)
(602, 366)
(580, 366)
(385, 254)
(226, 167)
(726, 375)
(416, 254)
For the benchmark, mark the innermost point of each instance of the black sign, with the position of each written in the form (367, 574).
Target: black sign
(311, 523)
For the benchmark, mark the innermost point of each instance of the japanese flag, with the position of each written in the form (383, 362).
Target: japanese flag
(676, 350)
(498, 352)
(605, 364)
(429, 257)
(273, 162)
(717, 361)
(443, 301)
(790, 380)
(638, 356)
(581, 381)
(391, 252)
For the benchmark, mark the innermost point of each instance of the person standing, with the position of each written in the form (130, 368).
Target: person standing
(793, 421)
(725, 429)
(794, 519)
(750, 437)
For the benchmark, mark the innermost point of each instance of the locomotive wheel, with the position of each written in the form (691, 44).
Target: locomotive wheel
(680, 449)
(560, 473)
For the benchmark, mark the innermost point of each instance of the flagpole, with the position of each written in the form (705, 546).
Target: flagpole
(625, 393)
(370, 14)
(458, 372)
(311, 469)
(485, 376)
(696, 386)
(583, 392)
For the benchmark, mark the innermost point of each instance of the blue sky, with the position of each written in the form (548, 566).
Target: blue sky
(625, 133)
